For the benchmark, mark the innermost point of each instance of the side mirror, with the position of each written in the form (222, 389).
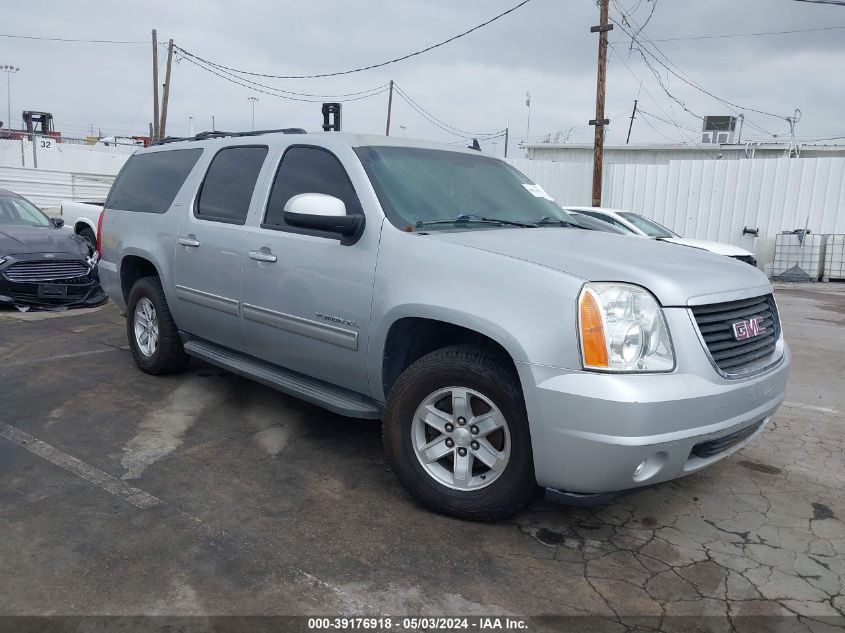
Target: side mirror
(57, 222)
(322, 213)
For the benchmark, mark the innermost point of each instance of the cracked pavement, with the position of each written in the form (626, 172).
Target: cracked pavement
(266, 505)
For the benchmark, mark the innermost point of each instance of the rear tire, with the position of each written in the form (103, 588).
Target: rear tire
(152, 333)
(89, 236)
(432, 389)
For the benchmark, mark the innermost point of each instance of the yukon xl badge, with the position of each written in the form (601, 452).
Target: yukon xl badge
(335, 319)
(748, 329)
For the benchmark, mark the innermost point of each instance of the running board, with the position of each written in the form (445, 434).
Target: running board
(336, 399)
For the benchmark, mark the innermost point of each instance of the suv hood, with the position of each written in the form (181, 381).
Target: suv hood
(674, 274)
(16, 240)
(714, 247)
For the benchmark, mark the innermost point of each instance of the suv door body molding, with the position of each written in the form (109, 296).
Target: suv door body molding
(208, 300)
(298, 325)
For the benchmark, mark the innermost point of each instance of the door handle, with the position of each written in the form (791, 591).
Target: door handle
(190, 240)
(263, 255)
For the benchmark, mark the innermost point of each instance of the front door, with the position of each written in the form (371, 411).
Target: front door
(306, 296)
(209, 258)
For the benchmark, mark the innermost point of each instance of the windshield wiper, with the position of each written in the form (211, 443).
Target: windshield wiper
(548, 220)
(467, 218)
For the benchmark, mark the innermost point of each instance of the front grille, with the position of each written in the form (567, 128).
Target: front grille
(715, 322)
(66, 270)
(720, 444)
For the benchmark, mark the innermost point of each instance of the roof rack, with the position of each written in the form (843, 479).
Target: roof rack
(202, 136)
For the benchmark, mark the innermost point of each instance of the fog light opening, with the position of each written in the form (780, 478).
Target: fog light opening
(650, 466)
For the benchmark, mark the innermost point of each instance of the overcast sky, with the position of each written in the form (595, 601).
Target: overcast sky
(477, 83)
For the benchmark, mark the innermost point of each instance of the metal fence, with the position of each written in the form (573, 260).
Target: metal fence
(712, 199)
(47, 188)
(74, 155)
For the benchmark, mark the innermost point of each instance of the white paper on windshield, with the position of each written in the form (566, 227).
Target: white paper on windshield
(538, 192)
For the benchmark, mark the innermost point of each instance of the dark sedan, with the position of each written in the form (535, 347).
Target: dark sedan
(42, 266)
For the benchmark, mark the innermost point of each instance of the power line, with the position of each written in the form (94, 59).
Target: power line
(252, 82)
(66, 39)
(363, 68)
(675, 123)
(438, 122)
(276, 94)
(644, 50)
(731, 35)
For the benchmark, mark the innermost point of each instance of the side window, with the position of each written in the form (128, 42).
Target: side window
(148, 183)
(308, 170)
(227, 189)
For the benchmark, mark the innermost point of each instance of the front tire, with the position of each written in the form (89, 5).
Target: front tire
(456, 434)
(152, 333)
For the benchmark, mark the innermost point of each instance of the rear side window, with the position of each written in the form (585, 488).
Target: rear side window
(229, 183)
(148, 183)
(308, 170)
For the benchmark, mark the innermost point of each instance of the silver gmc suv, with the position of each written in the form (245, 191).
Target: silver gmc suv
(437, 289)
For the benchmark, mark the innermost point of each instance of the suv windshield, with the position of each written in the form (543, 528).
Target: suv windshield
(649, 227)
(440, 189)
(20, 212)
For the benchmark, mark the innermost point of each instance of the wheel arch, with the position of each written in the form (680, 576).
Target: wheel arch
(84, 223)
(411, 334)
(132, 268)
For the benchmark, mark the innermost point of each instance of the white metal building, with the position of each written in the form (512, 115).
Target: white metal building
(662, 154)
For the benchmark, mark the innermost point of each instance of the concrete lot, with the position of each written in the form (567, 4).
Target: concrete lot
(122, 493)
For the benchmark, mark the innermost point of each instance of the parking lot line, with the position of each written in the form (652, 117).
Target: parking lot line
(55, 357)
(102, 480)
(812, 407)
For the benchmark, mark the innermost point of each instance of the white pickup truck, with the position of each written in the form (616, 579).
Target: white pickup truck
(81, 218)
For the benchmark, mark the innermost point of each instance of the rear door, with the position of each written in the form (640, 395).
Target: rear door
(209, 246)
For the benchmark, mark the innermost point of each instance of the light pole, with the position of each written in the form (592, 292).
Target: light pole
(9, 70)
(403, 128)
(190, 126)
(253, 99)
(528, 125)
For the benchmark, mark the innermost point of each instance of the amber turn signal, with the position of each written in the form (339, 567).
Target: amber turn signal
(594, 347)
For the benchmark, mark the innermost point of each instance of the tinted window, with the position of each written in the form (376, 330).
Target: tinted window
(309, 170)
(227, 189)
(149, 182)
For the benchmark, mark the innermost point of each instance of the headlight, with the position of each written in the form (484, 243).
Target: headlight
(2, 260)
(623, 329)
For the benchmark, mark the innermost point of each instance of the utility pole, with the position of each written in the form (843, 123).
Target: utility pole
(631, 124)
(506, 142)
(389, 108)
(166, 96)
(213, 127)
(600, 122)
(156, 118)
(741, 121)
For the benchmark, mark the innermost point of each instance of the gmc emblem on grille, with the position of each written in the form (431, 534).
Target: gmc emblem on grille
(748, 329)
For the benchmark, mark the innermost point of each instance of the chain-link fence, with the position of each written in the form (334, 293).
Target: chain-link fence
(100, 156)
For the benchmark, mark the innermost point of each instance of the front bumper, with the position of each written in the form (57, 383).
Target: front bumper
(81, 291)
(591, 432)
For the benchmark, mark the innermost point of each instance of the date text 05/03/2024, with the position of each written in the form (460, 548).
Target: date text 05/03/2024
(413, 624)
